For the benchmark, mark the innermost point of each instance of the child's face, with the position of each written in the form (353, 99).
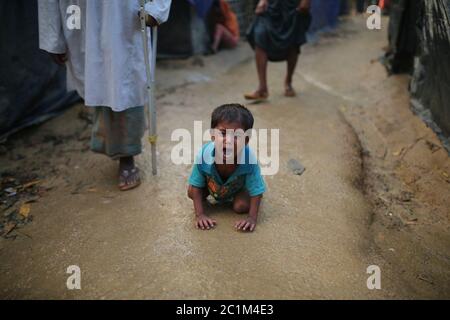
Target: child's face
(229, 140)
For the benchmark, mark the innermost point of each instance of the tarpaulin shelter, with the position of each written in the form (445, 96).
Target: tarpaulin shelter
(419, 36)
(32, 87)
(403, 35)
(325, 15)
(201, 6)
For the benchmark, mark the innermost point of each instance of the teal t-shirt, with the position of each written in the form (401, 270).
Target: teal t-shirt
(247, 175)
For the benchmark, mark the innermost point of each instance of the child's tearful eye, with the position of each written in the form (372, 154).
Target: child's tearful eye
(232, 134)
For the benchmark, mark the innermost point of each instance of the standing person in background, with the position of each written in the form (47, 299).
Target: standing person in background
(360, 6)
(277, 34)
(103, 51)
(225, 26)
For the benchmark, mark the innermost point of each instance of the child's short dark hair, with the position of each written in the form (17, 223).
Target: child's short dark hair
(232, 113)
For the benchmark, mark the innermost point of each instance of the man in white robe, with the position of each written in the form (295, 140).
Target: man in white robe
(101, 44)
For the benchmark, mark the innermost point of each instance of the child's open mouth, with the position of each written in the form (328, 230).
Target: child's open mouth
(227, 152)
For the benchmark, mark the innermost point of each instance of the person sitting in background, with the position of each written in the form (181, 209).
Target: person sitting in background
(225, 26)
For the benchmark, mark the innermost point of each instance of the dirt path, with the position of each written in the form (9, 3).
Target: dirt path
(312, 240)
(406, 167)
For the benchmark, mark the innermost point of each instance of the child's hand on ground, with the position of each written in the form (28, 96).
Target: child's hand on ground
(248, 224)
(205, 223)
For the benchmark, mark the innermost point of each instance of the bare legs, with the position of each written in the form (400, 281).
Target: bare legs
(224, 36)
(261, 67)
(241, 201)
(292, 59)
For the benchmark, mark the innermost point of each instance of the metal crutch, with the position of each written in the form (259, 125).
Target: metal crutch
(151, 108)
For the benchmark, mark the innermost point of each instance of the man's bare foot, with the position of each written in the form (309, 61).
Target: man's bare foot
(258, 95)
(129, 177)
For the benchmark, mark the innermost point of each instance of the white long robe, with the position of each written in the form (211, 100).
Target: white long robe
(105, 56)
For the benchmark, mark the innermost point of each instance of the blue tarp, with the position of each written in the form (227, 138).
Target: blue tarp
(419, 44)
(201, 6)
(32, 87)
(325, 15)
(430, 86)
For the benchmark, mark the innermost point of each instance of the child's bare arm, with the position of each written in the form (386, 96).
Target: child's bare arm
(249, 224)
(202, 220)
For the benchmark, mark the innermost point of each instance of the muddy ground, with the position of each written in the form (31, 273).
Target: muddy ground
(376, 191)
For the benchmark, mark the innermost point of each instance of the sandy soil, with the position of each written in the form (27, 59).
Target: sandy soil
(373, 193)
